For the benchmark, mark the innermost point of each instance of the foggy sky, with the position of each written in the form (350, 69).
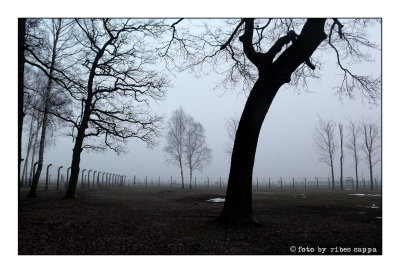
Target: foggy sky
(285, 148)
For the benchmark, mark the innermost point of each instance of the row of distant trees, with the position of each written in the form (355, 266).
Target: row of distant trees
(363, 138)
(186, 144)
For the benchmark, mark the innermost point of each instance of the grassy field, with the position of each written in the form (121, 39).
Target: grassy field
(174, 221)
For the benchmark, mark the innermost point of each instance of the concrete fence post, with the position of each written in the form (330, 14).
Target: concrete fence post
(88, 178)
(47, 177)
(58, 177)
(82, 179)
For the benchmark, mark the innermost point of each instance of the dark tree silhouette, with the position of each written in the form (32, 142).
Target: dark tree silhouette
(197, 153)
(341, 159)
(324, 141)
(176, 134)
(21, 66)
(353, 145)
(116, 83)
(54, 36)
(231, 125)
(370, 145)
(270, 53)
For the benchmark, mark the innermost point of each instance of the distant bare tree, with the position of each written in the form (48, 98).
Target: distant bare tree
(197, 153)
(370, 145)
(177, 129)
(353, 145)
(231, 125)
(324, 141)
(341, 154)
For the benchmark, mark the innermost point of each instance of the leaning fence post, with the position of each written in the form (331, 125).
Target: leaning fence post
(82, 182)
(293, 182)
(47, 177)
(269, 183)
(305, 183)
(58, 177)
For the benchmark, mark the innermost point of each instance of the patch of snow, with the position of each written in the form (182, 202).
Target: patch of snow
(216, 200)
(302, 195)
(363, 194)
(373, 206)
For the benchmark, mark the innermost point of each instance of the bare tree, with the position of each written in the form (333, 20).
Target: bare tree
(231, 125)
(21, 68)
(324, 141)
(370, 145)
(56, 34)
(266, 54)
(341, 154)
(353, 145)
(117, 80)
(197, 153)
(177, 130)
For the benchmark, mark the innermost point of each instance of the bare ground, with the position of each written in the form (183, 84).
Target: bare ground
(173, 221)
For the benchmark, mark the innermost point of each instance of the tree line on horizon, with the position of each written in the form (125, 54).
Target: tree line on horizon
(362, 136)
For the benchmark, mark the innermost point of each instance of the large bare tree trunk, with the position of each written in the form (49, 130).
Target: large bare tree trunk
(32, 192)
(35, 181)
(28, 150)
(238, 203)
(35, 143)
(272, 75)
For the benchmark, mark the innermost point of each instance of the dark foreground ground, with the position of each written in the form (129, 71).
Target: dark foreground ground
(165, 221)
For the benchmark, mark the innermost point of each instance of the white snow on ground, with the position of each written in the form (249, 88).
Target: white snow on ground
(373, 206)
(216, 200)
(300, 195)
(363, 194)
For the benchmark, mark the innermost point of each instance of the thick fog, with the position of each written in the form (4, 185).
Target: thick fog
(285, 148)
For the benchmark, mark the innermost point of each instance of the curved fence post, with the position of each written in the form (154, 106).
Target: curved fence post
(94, 178)
(47, 177)
(82, 178)
(58, 177)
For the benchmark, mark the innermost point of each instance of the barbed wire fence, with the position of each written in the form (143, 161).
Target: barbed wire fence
(56, 178)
